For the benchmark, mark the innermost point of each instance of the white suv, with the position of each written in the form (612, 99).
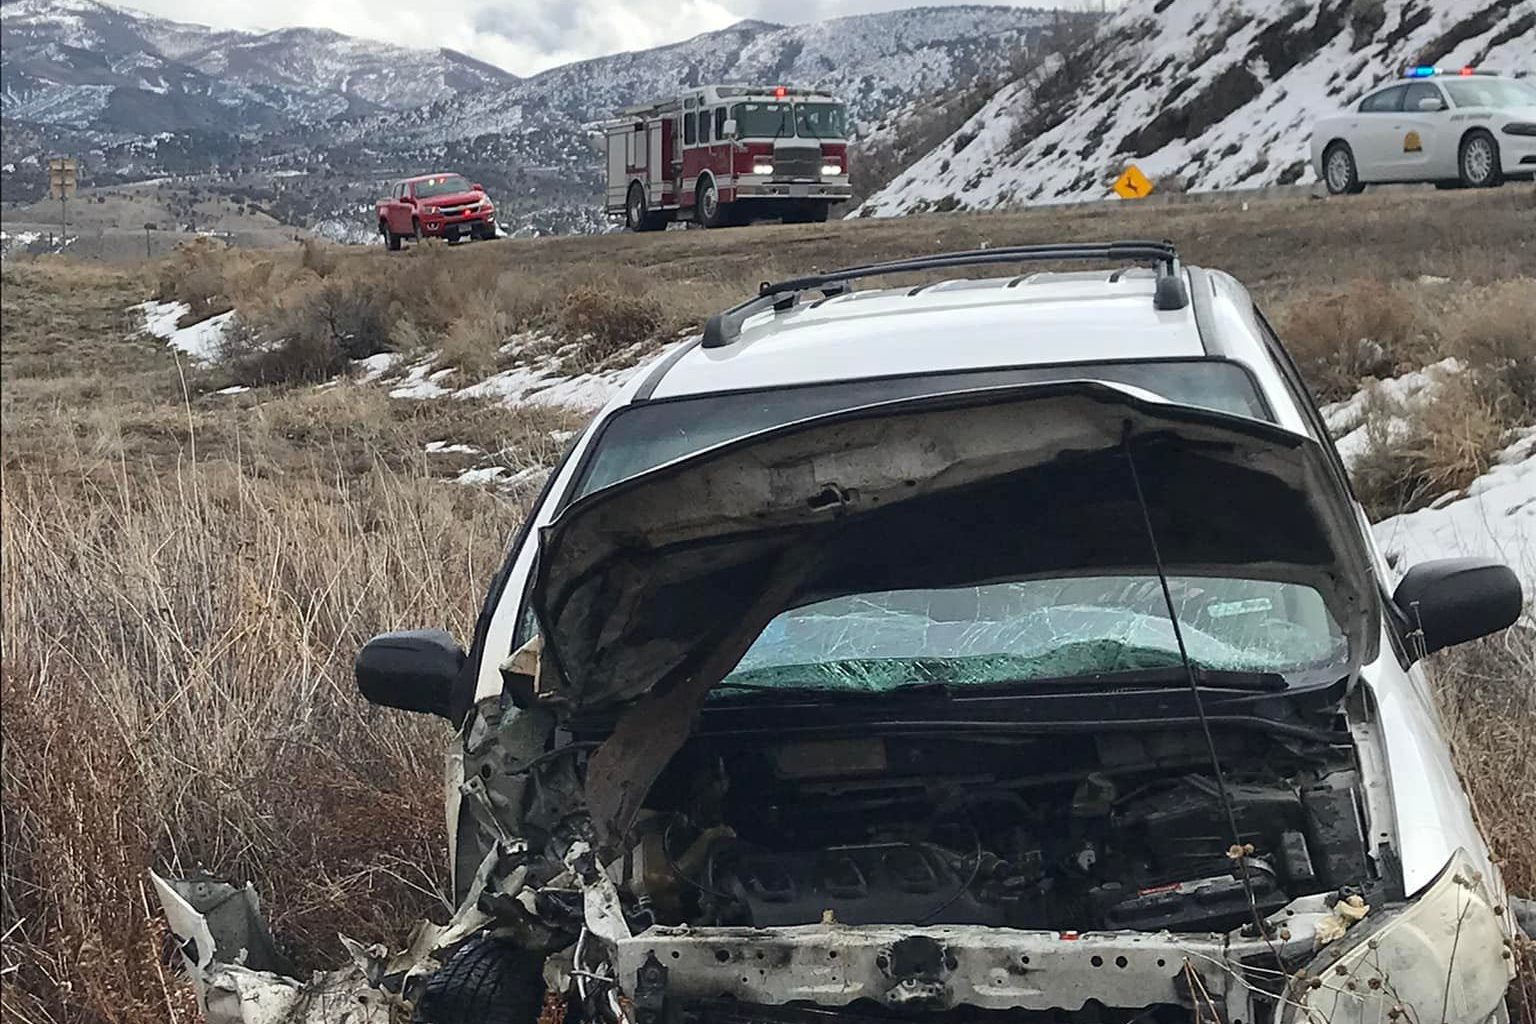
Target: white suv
(992, 644)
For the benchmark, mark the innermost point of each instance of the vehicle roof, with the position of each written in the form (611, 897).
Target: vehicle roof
(428, 177)
(1034, 319)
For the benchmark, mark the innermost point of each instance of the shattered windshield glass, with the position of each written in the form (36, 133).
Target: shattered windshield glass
(1038, 629)
(646, 435)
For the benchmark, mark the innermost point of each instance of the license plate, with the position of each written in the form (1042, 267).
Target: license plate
(799, 191)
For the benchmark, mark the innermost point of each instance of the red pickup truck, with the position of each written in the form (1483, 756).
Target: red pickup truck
(435, 206)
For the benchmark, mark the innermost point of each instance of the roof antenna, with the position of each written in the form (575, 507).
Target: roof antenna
(1238, 851)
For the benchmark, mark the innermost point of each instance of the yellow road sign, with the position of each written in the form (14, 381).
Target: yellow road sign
(1132, 184)
(61, 177)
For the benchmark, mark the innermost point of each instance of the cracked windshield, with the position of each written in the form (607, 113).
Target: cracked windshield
(1038, 629)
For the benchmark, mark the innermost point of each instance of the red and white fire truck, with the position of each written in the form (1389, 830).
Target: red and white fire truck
(728, 154)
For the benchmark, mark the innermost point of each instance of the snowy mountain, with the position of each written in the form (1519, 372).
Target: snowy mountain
(87, 65)
(1199, 95)
(874, 61)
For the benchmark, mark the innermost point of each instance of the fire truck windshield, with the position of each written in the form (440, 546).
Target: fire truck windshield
(821, 120)
(761, 120)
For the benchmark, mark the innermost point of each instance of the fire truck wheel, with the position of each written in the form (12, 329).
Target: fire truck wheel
(707, 206)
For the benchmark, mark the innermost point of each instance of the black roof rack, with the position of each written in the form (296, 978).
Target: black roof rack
(724, 328)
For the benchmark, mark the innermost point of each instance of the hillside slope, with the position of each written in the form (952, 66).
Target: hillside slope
(1215, 96)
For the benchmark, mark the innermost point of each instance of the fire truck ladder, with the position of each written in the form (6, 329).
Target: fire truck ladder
(723, 329)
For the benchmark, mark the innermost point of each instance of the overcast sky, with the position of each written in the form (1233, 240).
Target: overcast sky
(523, 36)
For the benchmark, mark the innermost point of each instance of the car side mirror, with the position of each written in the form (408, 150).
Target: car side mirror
(414, 670)
(1453, 600)
(728, 131)
(477, 187)
(408, 200)
(1430, 103)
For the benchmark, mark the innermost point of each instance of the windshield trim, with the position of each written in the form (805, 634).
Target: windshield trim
(584, 464)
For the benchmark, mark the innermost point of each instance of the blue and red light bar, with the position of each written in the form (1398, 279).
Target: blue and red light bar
(1424, 71)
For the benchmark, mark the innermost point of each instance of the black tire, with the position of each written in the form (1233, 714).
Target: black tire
(391, 240)
(708, 210)
(1478, 160)
(1339, 171)
(486, 982)
(415, 229)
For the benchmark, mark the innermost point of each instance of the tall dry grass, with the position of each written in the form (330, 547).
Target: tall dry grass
(178, 695)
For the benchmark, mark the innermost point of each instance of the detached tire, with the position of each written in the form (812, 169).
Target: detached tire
(486, 982)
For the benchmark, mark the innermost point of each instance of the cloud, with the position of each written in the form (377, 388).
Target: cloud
(523, 36)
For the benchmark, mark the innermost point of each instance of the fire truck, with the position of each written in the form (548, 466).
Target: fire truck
(728, 154)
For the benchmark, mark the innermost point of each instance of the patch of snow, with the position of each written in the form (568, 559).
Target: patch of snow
(200, 340)
(375, 366)
(542, 386)
(1433, 279)
(421, 382)
(1495, 517)
(484, 475)
(1351, 421)
(234, 389)
(445, 448)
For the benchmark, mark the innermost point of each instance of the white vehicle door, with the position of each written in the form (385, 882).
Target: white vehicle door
(1376, 139)
(1424, 133)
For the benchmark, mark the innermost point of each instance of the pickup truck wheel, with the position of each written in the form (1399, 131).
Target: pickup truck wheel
(416, 229)
(391, 240)
(486, 982)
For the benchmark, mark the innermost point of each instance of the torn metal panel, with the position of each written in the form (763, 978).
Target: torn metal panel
(237, 973)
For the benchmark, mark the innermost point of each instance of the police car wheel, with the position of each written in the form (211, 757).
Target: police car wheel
(1479, 161)
(1339, 171)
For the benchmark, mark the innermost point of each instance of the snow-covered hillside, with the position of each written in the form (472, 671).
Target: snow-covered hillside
(1209, 95)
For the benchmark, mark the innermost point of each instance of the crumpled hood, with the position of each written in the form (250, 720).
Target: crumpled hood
(640, 584)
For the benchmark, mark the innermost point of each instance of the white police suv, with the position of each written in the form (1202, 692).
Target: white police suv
(1458, 129)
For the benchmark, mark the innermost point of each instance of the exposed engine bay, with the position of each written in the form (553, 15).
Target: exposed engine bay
(1117, 831)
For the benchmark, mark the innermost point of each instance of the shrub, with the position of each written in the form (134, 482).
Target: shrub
(471, 342)
(1340, 338)
(603, 322)
(1429, 447)
(1498, 337)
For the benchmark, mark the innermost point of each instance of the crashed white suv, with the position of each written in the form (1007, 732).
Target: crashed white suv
(1007, 644)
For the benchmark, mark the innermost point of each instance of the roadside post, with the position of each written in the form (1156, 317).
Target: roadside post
(61, 185)
(148, 252)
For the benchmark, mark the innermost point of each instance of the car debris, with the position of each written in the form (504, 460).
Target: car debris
(1020, 690)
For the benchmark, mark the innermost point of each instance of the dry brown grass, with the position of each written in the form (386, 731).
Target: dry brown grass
(186, 576)
(1487, 697)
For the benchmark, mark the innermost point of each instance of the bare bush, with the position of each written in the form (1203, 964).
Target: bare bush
(1342, 337)
(603, 322)
(1424, 449)
(472, 340)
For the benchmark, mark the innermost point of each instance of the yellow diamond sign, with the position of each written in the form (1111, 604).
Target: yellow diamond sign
(1132, 184)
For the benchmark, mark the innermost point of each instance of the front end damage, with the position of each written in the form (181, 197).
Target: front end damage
(676, 846)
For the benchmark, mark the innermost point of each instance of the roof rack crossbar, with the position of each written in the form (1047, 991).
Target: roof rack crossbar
(724, 328)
